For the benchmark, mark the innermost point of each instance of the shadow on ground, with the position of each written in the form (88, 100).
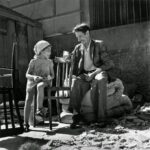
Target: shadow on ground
(15, 142)
(67, 130)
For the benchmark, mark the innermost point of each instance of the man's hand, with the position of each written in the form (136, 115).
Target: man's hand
(89, 76)
(86, 77)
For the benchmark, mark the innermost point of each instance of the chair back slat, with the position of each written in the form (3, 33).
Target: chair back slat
(66, 72)
(58, 75)
(63, 72)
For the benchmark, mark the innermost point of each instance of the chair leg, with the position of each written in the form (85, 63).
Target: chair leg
(58, 107)
(5, 109)
(11, 108)
(58, 110)
(49, 107)
(17, 110)
(34, 110)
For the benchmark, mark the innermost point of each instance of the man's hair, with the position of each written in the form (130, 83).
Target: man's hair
(81, 28)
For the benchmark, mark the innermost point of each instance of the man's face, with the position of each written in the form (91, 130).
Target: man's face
(82, 37)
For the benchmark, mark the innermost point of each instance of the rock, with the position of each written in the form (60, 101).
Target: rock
(89, 148)
(119, 127)
(92, 131)
(99, 139)
(107, 147)
(130, 118)
(123, 140)
(91, 136)
(109, 143)
(132, 145)
(136, 120)
(98, 144)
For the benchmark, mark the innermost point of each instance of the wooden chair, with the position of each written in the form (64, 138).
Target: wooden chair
(62, 86)
(11, 124)
(58, 89)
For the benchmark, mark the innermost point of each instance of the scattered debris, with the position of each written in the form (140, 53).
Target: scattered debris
(111, 134)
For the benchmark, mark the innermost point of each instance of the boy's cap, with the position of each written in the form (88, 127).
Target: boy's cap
(40, 46)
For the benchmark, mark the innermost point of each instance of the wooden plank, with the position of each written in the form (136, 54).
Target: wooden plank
(107, 13)
(35, 10)
(131, 15)
(144, 10)
(34, 34)
(112, 12)
(137, 10)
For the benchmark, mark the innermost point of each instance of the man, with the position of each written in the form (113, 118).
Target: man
(92, 68)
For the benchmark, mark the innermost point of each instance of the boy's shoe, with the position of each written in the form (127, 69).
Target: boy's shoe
(39, 117)
(40, 113)
(26, 127)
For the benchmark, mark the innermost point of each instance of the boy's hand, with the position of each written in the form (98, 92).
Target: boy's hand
(49, 77)
(38, 78)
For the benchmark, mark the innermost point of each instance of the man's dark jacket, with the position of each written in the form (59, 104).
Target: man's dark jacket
(99, 55)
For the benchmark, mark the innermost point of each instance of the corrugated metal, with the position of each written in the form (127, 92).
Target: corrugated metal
(108, 13)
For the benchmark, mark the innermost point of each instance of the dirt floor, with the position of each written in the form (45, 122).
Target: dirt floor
(129, 132)
(118, 134)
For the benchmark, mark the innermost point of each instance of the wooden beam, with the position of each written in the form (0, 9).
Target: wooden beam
(8, 13)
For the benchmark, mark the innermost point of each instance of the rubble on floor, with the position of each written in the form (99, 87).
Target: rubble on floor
(129, 132)
(115, 135)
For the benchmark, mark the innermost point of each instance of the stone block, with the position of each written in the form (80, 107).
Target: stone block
(38, 10)
(64, 6)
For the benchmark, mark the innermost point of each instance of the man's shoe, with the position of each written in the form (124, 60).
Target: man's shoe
(76, 119)
(74, 126)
